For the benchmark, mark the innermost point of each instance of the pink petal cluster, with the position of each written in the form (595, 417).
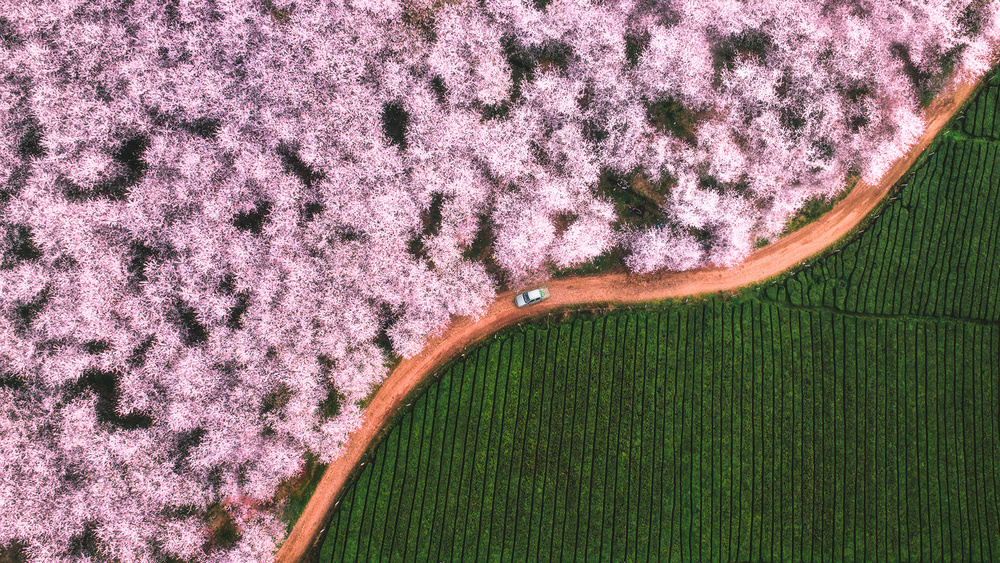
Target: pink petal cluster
(220, 218)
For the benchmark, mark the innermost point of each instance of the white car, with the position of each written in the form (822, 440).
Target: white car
(531, 297)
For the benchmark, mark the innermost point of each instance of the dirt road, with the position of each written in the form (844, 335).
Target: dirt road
(463, 332)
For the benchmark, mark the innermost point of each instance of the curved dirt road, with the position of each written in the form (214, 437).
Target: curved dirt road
(463, 332)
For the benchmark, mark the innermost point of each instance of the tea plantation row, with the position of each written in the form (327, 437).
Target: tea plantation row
(848, 412)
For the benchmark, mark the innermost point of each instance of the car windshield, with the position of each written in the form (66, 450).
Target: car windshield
(526, 297)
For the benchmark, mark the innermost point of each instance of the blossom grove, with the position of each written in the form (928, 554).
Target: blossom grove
(219, 218)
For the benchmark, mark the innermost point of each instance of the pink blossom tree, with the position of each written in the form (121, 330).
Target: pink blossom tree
(218, 220)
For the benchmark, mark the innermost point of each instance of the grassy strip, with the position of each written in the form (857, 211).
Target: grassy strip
(815, 207)
(297, 491)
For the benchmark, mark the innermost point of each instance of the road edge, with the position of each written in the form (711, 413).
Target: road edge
(306, 534)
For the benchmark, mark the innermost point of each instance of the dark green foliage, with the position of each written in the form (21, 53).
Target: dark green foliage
(918, 78)
(24, 313)
(815, 207)
(348, 234)
(522, 64)
(387, 317)
(18, 245)
(785, 84)
(334, 402)
(594, 132)
(415, 246)
(275, 400)
(326, 363)
(422, 18)
(106, 385)
(86, 544)
(253, 221)
(927, 84)
(311, 209)
(710, 183)
(132, 421)
(96, 346)
(225, 533)
(227, 285)
(824, 149)
(138, 356)
(947, 61)
(810, 211)
(395, 120)
(176, 512)
(234, 319)
(586, 96)
(185, 317)
(440, 90)
(13, 186)
(8, 35)
(10, 380)
(524, 61)
(297, 491)
(636, 199)
(139, 256)
(129, 156)
(972, 18)
(171, 14)
(267, 430)
(15, 551)
(481, 250)
(563, 221)
(205, 127)
(792, 117)
(430, 218)
(187, 441)
(855, 95)
(552, 54)
(750, 44)
(856, 122)
(856, 92)
(634, 47)
(671, 116)
(293, 164)
(706, 236)
(608, 261)
(848, 411)
(31, 142)
(499, 111)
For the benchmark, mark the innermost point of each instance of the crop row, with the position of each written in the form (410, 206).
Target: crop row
(849, 412)
(933, 252)
(980, 118)
(729, 431)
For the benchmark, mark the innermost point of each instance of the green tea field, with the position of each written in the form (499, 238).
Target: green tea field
(850, 411)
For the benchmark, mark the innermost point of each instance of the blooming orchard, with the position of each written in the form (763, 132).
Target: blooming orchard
(219, 218)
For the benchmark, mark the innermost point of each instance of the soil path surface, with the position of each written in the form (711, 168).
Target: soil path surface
(763, 264)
